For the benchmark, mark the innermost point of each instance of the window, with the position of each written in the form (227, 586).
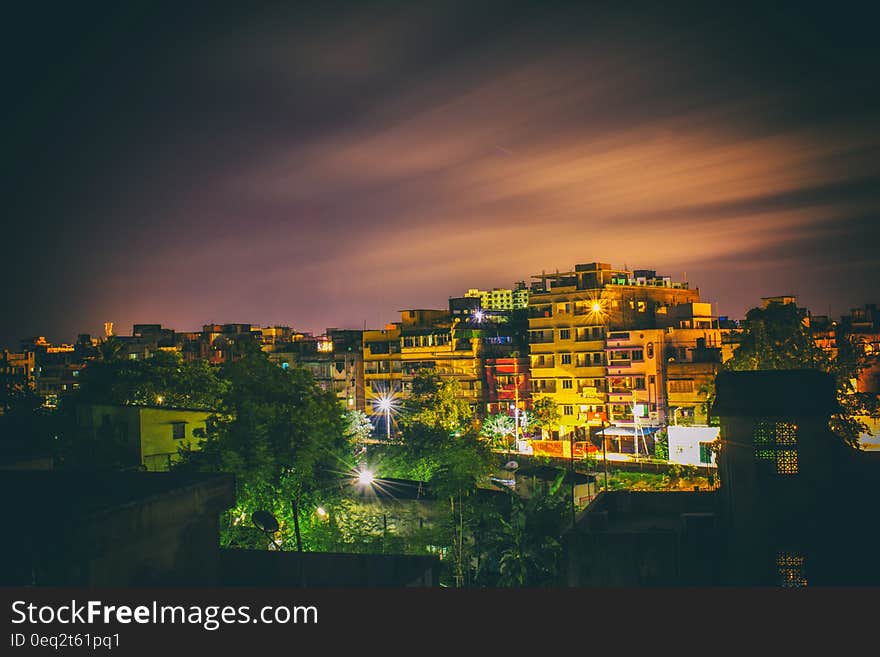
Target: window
(597, 332)
(565, 334)
(639, 383)
(650, 350)
(566, 384)
(790, 568)
(178, 430)
(638, 354)
(565, 359)
(567, 409)
(651, 379)
(681, 386)
(776, 443)
(597, 358)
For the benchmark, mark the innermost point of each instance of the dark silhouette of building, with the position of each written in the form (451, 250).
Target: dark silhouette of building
(795, 506)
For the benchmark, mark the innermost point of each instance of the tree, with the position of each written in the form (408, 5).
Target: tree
(524, 549)
(778, 338)
(358, 426)
(436, 403)
(497, 428)
(280, 434)
(163, 379)
(23, 419)
(545, 413)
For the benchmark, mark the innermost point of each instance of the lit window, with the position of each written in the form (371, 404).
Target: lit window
(178, 430)
(776, 442)
(790, 568)
(566, 359)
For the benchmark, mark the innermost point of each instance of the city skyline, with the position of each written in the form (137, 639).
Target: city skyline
(328, 167)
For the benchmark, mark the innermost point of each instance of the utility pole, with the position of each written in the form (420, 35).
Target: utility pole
(299, 547)
(571, 473)
(604, 457)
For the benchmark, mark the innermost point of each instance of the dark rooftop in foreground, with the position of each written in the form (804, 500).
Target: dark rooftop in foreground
(775, 393)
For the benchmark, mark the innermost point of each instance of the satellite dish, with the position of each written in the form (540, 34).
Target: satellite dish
(265, 521)
(511, 465)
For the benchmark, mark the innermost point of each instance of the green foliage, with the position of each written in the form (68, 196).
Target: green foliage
(545, 412)
(437, 403)
(280, 434)
(777, 338)
(524, 549)
(497, 428)
(358, 426)
(163, 379)
(22, 418)
(661, 445)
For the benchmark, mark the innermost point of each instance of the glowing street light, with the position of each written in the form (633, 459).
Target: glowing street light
(365, 477)
(385, 403)
(479, 315)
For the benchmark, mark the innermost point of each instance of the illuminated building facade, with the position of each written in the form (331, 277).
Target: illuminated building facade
(572, 314)
(501, 298)
(152, 435)
(423, 339)
(508, 384)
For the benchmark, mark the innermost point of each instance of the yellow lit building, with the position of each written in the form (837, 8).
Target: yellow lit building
(423, 339)
(571, 314)
(152, 435)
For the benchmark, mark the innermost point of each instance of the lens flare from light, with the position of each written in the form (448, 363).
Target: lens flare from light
(365, 477)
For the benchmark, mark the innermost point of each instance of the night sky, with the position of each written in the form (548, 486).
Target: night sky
(328, 165)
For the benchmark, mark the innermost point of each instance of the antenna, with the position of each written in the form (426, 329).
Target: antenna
(266, 523)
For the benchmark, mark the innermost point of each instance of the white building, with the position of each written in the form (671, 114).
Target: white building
(690, 445)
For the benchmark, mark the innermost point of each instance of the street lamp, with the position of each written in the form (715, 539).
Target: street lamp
(385, 403)
(365, 477)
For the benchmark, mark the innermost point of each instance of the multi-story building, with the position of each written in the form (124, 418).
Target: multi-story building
(423, 339)
(501, 298)
(335, 359)
(570, 316)
(17, 372)
(508, 384)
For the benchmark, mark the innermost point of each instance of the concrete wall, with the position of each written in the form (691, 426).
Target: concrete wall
(325, 569)
(114, 529)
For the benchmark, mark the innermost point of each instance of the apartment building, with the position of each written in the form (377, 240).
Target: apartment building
(501, 298)
(571, 316)
(423, 339)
